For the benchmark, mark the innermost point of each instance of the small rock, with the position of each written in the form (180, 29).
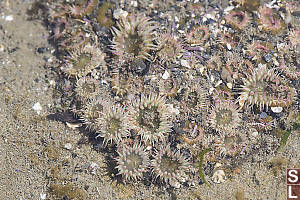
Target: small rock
(263, 115)
(185, 63)
(175, 184)
(1, 47)
(219, 176)
(134, 3)
(93, 167)
(228, 46)
(43, 196)
(229, 85)
(118, 13)
(68, 146)
(254, 132)
(37, 107)
(9, 18)
(268, 57)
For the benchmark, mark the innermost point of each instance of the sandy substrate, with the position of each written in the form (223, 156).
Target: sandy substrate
(44, 159)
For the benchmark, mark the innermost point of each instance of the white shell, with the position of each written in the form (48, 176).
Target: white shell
(277, 109)
(166, 75)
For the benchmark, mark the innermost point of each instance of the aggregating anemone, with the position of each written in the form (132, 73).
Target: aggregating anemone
(149, 118)
(133, 37)
(174, 86)
(265, 88)
(225, 117)
(82, 61)
(132, 162)
(169, 166)
(113, 125)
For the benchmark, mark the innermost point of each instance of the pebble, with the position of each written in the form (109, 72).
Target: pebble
(118, 13)
(229, 85)
(37, 107)
(263, 115)
(9, 18)
(268, 57)
(185, 63)
(254, 132)
(68, 146)
(93, 167)
(219, 176)
(43, 196)
(1, 47)
(134, 3)
(228, 46)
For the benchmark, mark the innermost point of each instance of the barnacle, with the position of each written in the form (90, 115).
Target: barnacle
(82, 61)
(132, 162)
(264, 88)
(169, 166)
(133, 37)
(225, 117)
(169, 48)
(87, 88)
(238, 19)
(113, 125)
(149, 117)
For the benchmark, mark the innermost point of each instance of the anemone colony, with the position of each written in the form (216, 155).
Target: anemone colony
(170, 86)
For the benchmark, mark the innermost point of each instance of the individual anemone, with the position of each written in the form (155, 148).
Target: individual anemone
(269, 21)
(150, 118)
(92, 111)
(113, 125)
(225, 117)
(229, 145)
(169, 48)
(82, 61)
(133, 37)
(87, 88)
(169, 166)
(197, 35)
(264, 88)
(238, 19)
(132, 162)
(195, 98)
(168, 87)
(81, 9)
(121, 82)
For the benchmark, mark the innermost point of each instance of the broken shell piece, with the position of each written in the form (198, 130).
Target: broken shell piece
(175, 183)
(229, 85)
(166, 75)
(185, 63)
(277, 109)
(73, 126)
(219, 176)
(68, 146)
